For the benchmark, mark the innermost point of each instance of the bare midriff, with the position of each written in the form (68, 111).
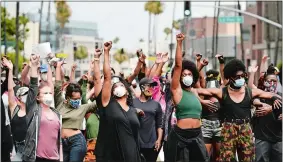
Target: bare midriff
(69, 132)
(188, 123)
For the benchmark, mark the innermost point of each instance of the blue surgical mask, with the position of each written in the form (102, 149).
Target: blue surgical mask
(239, 82)
(75, 103)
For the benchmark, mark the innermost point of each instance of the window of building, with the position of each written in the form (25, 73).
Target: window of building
(246, 35)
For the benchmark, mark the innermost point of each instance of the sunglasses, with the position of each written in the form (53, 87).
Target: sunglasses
(244, 75)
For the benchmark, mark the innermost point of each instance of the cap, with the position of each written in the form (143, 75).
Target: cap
(21, 91)
(43, 68)
(147, 81)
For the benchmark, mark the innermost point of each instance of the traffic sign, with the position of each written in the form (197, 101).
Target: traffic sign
(231, 19)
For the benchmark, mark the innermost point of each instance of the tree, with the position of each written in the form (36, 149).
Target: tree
(63, 13)
(176, 24)
(12, 57)
(167, 32)
(153, 8)
(116, 40)
(81, 52)
(120, 56)
(11, 29)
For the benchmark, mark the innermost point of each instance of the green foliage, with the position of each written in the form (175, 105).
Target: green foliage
(120, 56)
(81, 52)
(11, 28)
(177, 24)
(167, 31)
(154, 7)
(116, 40)
(63, 12)
(12, 57)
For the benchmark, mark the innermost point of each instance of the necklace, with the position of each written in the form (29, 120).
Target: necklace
(235, 90)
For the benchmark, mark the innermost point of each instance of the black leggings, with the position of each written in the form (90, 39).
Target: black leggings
(149, 154)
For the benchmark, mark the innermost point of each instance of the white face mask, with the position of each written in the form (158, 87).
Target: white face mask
(44, 77)
(187, 80)
(47, 99)
(24, 98)
(120, 91)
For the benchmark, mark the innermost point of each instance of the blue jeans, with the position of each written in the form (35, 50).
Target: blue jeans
(74, 148)
(268, 152)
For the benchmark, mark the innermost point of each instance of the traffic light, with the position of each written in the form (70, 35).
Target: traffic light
(187, 8)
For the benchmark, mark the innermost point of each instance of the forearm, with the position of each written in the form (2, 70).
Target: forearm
(58, 75)
(152, 70)
(106, 66)
(159, 134)
(136, 72)
(178, 57)
(263, 67)
(24, 74)
(251, 80)
(49, 75)
(159, 70)
(72, 76)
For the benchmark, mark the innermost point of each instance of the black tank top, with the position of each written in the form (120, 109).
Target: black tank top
(19, 128)
(231, 110)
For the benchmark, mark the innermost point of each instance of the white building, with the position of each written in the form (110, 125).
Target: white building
(32, 37)
(67, 45)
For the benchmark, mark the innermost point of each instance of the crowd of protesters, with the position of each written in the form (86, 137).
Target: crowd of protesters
(187, 113)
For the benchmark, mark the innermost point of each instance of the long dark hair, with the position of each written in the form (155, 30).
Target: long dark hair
(127, 86)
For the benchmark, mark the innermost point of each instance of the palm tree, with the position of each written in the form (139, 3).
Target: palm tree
(155, 8)
(63, 13)
(120, 56)
(116, 40)
(167, 32)
(176, 24)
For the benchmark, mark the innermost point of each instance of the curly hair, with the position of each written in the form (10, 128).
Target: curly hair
(212, 75)
(72, 87)
(189, 65)
(127, 86)
(232, 67)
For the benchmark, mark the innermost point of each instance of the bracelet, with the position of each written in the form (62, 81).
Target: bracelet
(96, 59)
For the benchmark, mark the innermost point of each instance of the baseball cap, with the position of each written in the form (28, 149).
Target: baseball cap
(146, 80)
(21, 91)
(44, 68)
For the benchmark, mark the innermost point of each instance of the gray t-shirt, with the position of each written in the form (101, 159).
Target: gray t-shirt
(150, 122)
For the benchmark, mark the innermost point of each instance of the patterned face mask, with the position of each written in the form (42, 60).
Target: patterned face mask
(270, 86)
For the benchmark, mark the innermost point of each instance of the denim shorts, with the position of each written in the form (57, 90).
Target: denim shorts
(211, 130)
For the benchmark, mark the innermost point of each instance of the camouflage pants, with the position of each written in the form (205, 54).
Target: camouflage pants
(236, 138)
(90, 151)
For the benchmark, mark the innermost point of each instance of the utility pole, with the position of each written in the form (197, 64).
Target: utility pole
(216, 43)
(40, 20)
(204, 35)
(241, 31)
(17, 38)
(187, 15)
(5, 30)
(171, 46)
(48, 23)
(213, 32)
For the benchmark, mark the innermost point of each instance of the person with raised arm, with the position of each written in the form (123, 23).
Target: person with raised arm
(17, 109)
(236, 104)
(118, 136)
(43, 137)
(185, 141)
(73, 113)
(267, 124)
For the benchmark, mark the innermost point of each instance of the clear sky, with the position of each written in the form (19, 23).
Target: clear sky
(126, 20)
